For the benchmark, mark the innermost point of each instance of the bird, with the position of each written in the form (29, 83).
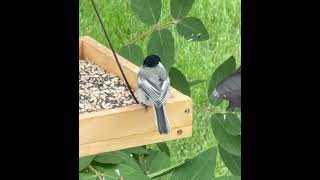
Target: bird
(153, 90)
(229, 89)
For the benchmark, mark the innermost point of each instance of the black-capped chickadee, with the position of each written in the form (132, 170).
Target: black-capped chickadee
(153, 90)
(229, 89)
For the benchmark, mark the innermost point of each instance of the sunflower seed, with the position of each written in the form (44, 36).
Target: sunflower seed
(99, 90)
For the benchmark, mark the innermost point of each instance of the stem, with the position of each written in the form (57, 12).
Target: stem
(154, 28)
(209, 110)
(99, 174)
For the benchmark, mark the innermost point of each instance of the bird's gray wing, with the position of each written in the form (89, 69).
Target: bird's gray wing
(155, 91)
(149, 89)
(164, 90)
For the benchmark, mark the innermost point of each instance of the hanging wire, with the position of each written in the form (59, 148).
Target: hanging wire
(114, 54)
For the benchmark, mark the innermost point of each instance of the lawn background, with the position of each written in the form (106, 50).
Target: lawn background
(197, 60)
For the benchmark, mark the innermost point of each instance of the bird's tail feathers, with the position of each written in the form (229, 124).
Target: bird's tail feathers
(162, 121)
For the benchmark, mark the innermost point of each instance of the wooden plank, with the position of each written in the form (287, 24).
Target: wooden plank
(80, 49)
(133, 141)
(130, 120)
(104, 58)
(129, 126)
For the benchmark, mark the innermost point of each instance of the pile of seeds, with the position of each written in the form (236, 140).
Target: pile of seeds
(99, 90)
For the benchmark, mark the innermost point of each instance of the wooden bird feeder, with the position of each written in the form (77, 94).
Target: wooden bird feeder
(130, 126)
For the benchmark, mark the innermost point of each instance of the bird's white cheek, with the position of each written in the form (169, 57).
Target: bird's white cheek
(160, 65)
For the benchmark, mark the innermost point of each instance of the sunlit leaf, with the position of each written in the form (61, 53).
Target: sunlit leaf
(179, 81)
(180, 8)
(192, 29)
(200, 167)
(148, 11)
(161, 43)
(230, 143)
(232, 162)
(133, 53)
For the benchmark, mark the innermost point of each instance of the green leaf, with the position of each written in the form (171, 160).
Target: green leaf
(232, 162)
(136, 150)
(133, 53)
(127, 172)
(116, 157)
(194, 82)
(230, 143)
(146, 159)
(163, 147)
(230, 122)
(228, 178)
(148, 11)
(179, 82)
(84, 162)
(149, 158)
(103, 167)
(87, 176)
(160, 161)
(180, 8)
(165, 171)
(224, 70)
(200, 167)
(137, 153)
(192, 29)
(161, 43)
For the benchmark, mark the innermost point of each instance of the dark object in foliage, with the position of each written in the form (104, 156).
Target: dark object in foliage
(230, 89)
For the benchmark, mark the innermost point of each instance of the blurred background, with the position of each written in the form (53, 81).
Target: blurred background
(197, 60)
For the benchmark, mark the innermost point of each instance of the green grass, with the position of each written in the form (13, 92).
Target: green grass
(197, 60)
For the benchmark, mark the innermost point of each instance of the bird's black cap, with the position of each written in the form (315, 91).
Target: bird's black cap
(151, 61)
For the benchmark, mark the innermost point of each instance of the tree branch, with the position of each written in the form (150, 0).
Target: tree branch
(99, 174)
(209, 110)
(154, 28)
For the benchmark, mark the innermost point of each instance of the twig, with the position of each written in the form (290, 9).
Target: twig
(99, 175)
(114, 53)
(154, 28)
(209, 110)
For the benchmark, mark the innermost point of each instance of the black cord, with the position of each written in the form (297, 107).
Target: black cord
(114, 54)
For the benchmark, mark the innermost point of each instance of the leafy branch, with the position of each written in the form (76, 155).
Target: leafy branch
(161, 41)
(156, 27)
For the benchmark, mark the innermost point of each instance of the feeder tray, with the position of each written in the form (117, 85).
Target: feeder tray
(130, 126)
